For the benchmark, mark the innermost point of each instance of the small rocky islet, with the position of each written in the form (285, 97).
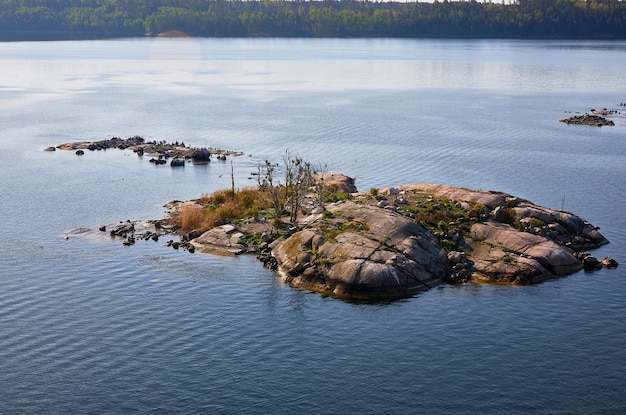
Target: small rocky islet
(386, 243)
(177, 153)
(596, 118)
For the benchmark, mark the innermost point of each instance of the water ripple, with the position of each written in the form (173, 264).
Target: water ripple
(90, 326)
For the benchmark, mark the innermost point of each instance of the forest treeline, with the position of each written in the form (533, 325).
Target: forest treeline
(24, 19)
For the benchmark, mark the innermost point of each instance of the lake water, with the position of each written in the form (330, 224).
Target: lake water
(90, 326)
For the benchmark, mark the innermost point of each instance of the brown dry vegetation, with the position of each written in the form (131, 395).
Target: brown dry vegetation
(222, 206)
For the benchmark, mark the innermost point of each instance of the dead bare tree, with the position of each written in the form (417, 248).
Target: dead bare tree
(287, 194)
(273, 187)
(319, 185)
(299, 177)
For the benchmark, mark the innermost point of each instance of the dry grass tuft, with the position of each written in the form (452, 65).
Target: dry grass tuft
(190, 217)
(222, 207)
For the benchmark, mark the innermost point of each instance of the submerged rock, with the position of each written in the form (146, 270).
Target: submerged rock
(177, 162)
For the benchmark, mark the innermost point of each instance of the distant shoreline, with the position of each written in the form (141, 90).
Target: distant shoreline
(44, 35)
(29, 36)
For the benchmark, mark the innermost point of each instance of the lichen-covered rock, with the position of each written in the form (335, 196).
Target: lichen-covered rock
(504, 255)
(367, 252)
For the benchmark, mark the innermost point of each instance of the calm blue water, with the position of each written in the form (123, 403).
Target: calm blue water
(90, 326)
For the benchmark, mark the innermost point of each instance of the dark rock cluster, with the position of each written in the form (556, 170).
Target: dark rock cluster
(264, 254)
(461, 268)
(591, 263)
(132, 232)
(588, 119)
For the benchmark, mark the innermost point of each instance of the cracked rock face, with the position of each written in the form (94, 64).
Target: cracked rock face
(503, 255)
(377, 253)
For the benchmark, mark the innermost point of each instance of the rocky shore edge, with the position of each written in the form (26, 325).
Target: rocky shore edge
(398, 241)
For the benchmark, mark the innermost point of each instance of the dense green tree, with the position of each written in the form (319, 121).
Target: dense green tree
(337, 18)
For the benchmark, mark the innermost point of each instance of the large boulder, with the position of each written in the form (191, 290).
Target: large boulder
(201, 155)
(363, 252)
(221, 240)
(337, 182)
(503, 255)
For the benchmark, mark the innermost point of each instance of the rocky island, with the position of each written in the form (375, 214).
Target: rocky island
(397, 241)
